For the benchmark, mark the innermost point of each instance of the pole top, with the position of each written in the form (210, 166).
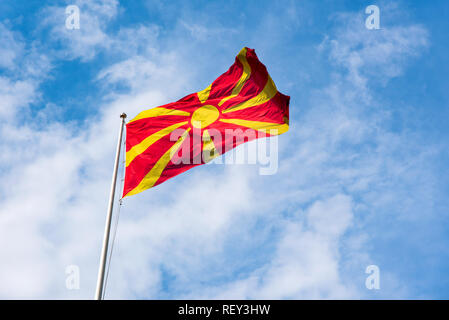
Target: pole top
(123, 115)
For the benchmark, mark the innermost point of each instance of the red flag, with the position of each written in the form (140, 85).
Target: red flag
(241, 105)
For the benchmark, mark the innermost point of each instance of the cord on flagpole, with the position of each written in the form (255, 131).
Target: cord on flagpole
(120, 201)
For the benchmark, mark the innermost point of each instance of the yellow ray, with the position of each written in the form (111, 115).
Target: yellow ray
(268, 92)
(203, 95)
(148, 141)
(209, 150)
(155, 173)
(159, 111)
(243, 78)
(267, 127)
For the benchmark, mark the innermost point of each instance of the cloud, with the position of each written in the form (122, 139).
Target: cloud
(91, 37)
(213, 232)
(97, 33)
(15, 94)
(24, 69)
(305, 262)
(11, 49)
(373, 55)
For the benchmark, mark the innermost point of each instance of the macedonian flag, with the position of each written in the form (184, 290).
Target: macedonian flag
(242, 104)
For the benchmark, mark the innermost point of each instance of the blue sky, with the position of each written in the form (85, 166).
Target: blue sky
(362, 176)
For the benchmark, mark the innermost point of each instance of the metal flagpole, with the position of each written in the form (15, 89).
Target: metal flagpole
(107, 228)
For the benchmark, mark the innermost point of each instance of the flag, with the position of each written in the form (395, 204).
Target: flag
(241, 105)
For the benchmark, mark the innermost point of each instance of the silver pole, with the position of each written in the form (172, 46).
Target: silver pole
(107, 228)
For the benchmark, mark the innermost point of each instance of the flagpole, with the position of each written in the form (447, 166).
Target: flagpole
(107, 228)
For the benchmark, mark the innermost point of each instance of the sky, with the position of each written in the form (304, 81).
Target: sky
(362, 177)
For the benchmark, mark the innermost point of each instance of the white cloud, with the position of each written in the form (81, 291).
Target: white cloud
(305, 264)
(85, 42)
(15, 94)
(24, 68)
(11, 47)
(287, 232)
(97, 18)
(374, 54)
